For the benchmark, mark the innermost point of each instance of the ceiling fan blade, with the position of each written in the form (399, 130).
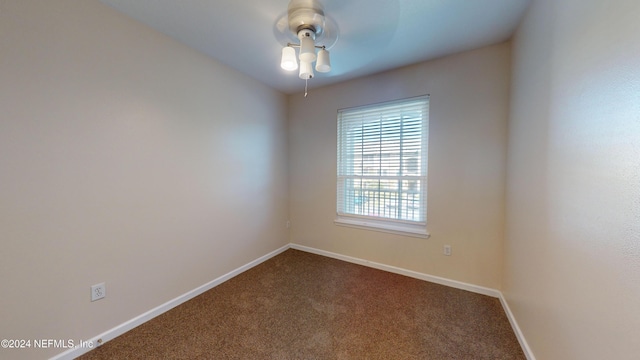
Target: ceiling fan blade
(365, 31)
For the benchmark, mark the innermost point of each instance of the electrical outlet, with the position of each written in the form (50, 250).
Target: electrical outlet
(98, 291)
(447, 250)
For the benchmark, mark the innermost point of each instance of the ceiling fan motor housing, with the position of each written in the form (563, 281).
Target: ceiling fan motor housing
(306, 15)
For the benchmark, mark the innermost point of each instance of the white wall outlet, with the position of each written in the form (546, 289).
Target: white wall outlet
(447, 250)
(98, 291)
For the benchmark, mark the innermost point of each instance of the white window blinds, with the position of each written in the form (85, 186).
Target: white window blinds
(382, 163)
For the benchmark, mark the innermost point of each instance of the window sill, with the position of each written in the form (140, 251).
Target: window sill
(383, 226)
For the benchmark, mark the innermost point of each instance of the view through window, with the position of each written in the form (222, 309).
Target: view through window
(382, 164)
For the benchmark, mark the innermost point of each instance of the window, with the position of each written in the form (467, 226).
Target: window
(382, 166)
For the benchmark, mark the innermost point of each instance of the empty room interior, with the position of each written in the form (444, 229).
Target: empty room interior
(152, 151)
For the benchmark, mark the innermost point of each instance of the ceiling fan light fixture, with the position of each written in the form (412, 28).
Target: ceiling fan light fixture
(306, 70)
(289, 61)
(306, 24)
(323, 64)
(307, 45)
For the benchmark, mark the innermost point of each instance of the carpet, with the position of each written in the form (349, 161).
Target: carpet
(298, 305)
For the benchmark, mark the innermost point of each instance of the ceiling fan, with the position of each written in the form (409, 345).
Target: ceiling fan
(364, 31)
(306, 27)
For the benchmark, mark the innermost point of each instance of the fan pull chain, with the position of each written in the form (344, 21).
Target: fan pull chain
(306, 82)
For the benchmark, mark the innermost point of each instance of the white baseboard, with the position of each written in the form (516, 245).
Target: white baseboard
(139, 320)
(414, 274)
(128, 325)
(516, 329)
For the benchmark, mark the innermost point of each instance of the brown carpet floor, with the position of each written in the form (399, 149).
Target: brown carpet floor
(304, 306)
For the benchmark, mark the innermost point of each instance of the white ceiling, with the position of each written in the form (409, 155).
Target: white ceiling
(374, 35)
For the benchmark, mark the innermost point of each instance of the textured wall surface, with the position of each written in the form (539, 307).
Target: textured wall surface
(128, 158)
(467, 151)
(572, 256)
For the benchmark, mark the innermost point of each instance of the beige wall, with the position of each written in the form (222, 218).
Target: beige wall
(113, 138)
(467, 145)
(572, 270)
(127, 158)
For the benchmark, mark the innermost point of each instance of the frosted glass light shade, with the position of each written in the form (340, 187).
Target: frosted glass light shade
(289, 61)
(307, 49)
(306, 70)
(323, 64)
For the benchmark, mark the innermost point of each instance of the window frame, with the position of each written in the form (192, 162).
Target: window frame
(371, 222)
